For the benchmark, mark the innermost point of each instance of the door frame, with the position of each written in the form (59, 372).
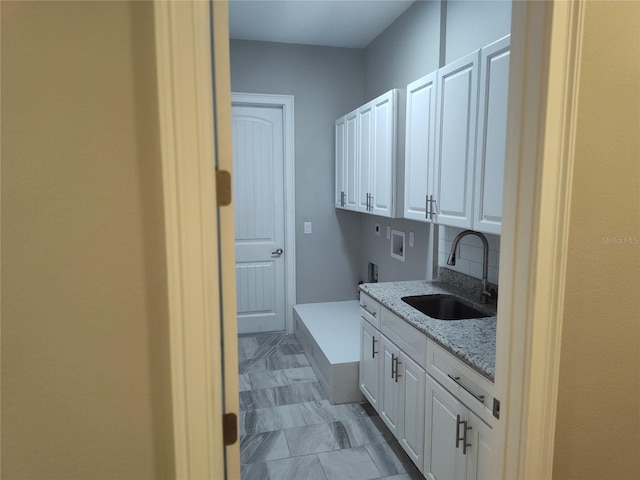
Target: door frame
(544, 69)
(194, 105)
(542, 110)
(286, 103)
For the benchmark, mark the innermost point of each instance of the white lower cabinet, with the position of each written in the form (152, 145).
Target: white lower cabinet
(402, 399)
(457, 443)
(412, 431)
(439, 427)
(369, 363)
(479, 459)
(391, 404)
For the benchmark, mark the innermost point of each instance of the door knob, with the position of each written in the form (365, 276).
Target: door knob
(278, 252)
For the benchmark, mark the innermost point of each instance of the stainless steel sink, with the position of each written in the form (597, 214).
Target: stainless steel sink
(444, 307)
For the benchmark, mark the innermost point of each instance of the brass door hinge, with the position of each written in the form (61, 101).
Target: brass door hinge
(229, 428)
(223, 188)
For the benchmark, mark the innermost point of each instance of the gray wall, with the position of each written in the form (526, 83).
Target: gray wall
(474, 24)
(377, 249)
(326, 83)
(407, 50)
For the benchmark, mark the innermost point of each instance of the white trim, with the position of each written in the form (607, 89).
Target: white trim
(183, 57)
(542, 94)
(555, 204)
(219, 65)
(287, 104)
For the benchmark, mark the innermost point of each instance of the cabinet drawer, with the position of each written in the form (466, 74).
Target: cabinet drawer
(370, 310)
(412, 341)
(474, 390)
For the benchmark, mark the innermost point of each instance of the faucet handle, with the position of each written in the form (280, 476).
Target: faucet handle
(488, 293)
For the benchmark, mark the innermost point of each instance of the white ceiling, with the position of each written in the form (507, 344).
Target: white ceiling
(341, 23)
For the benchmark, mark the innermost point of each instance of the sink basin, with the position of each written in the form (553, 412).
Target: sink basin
(443, 307)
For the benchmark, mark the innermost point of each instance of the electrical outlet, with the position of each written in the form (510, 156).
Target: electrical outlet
(411, 239)
(307, 228)
(388, 232)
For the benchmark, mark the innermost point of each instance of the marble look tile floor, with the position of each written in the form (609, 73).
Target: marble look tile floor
(290, 431)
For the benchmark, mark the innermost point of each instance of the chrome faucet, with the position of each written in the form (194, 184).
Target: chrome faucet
(484, 296)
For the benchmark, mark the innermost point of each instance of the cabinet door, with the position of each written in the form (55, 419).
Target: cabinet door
(442, 459)
(455, 141)
(346, 162)
(370, 363)
(340, 130)
(412, 424)
(479, 453)
(351, 164)
(419, 147)
(383, 155)
(391, 387)
(492, 136)
(365, 148)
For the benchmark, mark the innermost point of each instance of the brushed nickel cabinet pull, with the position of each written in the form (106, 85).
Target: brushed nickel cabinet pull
(463, 439)
(364, 307)
(432, 207)
(480, 398)
(458, 423)
(393, 362)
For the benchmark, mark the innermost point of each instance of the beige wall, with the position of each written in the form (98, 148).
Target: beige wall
(598, 423)
(85, 372)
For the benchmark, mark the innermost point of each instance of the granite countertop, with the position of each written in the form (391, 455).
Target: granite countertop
(472, 340)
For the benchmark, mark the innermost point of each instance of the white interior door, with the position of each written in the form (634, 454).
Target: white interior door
(258, 194)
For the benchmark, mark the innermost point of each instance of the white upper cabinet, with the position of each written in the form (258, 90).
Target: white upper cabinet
(420, 148)
(365, 160)
(366, 157)
(383, 167)
(340, 130)
(492, 136)
(455, 141)
(346, 162)
(377, 155)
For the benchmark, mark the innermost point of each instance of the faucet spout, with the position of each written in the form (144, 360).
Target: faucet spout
(452, 257)
(484, 297)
